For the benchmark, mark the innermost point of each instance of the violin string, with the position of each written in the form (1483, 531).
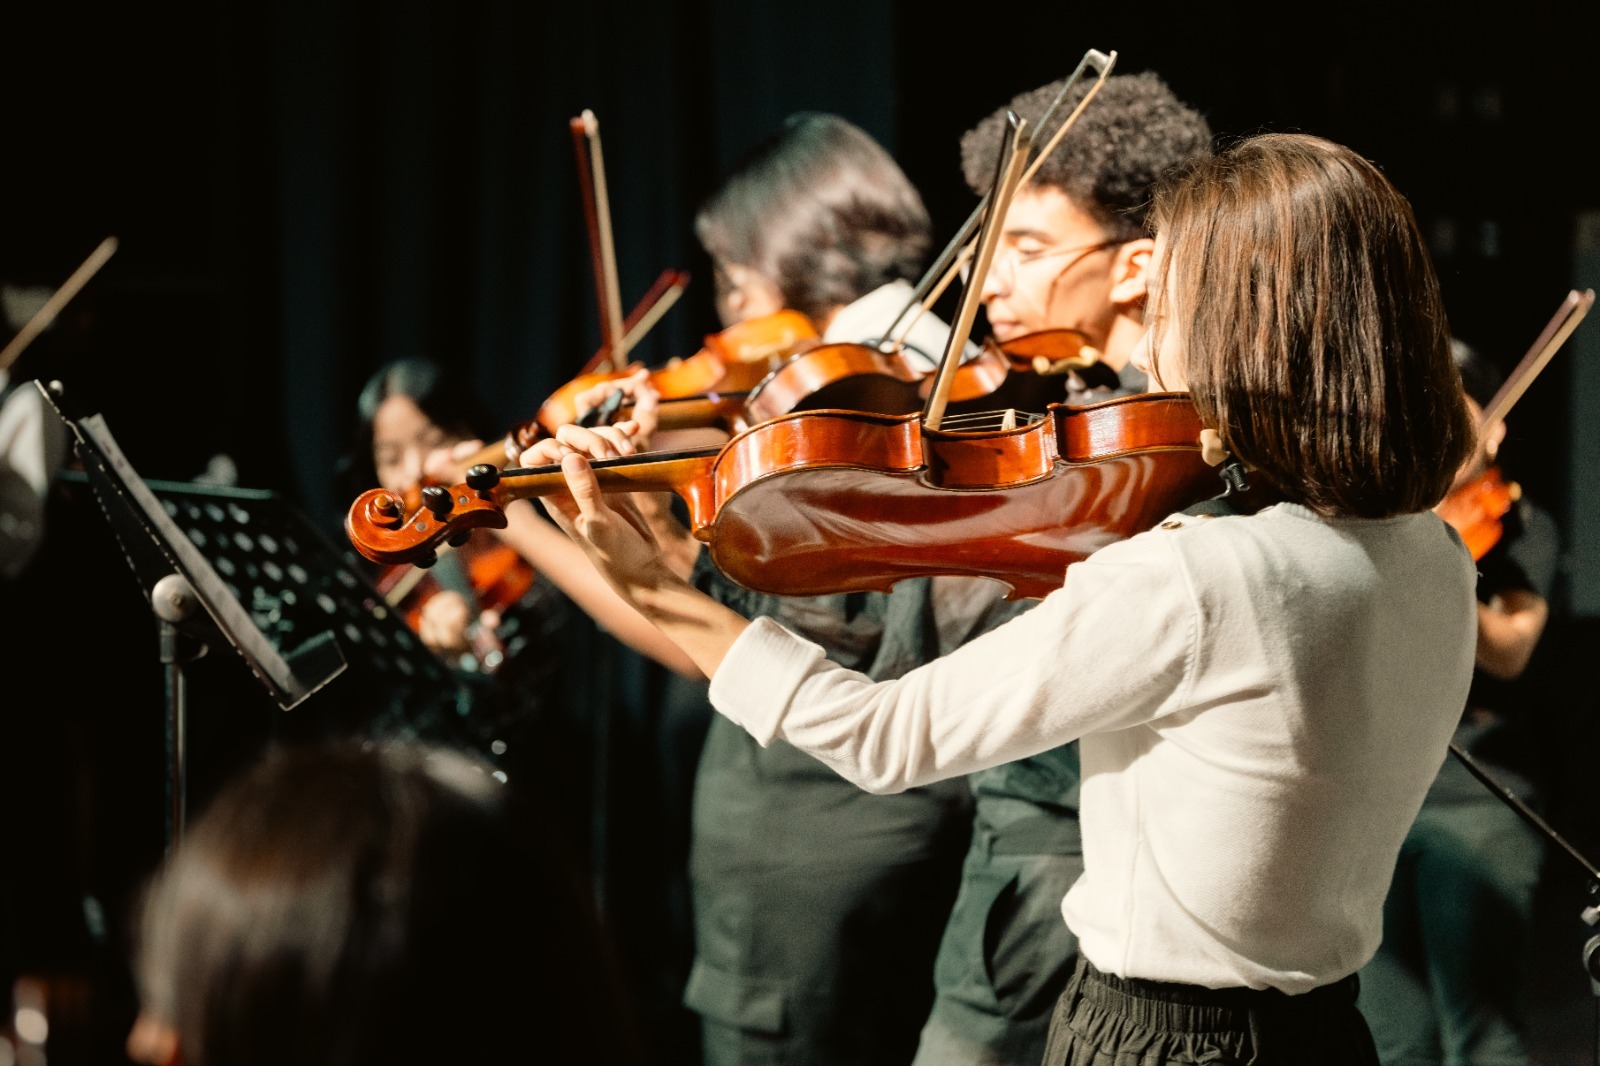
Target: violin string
(987, 421)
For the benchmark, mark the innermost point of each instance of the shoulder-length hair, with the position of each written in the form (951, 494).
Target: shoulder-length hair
(353, 904)
(1315, 335)
(822, 210)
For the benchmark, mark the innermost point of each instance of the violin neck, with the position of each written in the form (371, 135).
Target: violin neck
(657, 472)
(698, 412)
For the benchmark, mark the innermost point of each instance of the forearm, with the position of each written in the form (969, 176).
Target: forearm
(703, 628)
(1509, 627)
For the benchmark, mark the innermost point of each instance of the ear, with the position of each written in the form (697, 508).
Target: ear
(1128, 271)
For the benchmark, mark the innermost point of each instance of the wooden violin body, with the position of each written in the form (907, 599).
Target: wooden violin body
(734, 360)
(1027, 375)
(832, 501)
(850, 377)
(488, 574)
(880, 499)
(1477, 509)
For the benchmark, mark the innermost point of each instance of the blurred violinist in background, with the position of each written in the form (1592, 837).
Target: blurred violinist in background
(1447, 983)
(478, 608)
(465, 607)
(51, 932)
(413, 417)
(814, 900)
(503, 607)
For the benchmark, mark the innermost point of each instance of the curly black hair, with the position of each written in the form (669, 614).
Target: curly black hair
(1132, 133)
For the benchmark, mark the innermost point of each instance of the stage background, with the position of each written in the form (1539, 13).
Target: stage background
(303, 191)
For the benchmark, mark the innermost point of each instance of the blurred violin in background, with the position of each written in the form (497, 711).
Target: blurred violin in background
(489, 576)
(1477, 508)
(1026, 374)
(733, 360)
(1478, 504)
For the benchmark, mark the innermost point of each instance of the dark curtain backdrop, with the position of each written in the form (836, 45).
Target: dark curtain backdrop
(425, 185)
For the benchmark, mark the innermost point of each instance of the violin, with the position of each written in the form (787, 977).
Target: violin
(1477, 508)
(488, 574)
(832, 501)
(688, 405)
(1025, 374)
(731, 361)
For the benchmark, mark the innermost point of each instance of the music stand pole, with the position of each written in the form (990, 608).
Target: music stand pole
(174, 601)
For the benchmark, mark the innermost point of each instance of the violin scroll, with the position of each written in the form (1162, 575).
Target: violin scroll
(380, 528)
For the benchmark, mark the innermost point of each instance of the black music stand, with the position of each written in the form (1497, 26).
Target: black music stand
(201, 554)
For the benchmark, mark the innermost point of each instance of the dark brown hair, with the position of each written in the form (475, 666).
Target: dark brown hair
(1315, 336)
(823, 211)
(361, 903)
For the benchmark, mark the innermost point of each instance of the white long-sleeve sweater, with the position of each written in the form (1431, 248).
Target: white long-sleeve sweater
(1262, 702)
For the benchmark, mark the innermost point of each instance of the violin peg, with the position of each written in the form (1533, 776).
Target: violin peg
(483, 477)
(436, 499)
(1211, 447)
(1089, 354)
(458, 539)
(426, 559)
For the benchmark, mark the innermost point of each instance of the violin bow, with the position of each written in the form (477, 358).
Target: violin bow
(1008, 175)
(1555, 334)
(60, 298)
(657, 302)
(603, 254)
(944, 268)
(893, 343)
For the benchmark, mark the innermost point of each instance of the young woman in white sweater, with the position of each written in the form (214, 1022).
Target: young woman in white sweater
(1262, 699)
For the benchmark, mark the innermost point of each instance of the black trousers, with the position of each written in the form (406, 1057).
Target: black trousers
(1105, 1020)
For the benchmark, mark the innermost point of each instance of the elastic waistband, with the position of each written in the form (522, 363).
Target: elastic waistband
(1193, 1008)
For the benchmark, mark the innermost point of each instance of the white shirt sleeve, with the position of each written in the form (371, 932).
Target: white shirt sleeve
(1112, 648)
